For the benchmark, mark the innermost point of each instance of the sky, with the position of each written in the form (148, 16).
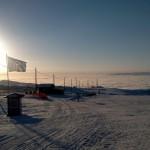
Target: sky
(77, 35)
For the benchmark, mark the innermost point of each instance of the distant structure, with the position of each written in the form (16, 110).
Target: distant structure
(50, 89)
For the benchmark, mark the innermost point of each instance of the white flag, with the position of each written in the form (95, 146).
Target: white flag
(15, 65)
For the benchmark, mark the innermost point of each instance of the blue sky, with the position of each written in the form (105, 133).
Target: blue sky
(78, 35)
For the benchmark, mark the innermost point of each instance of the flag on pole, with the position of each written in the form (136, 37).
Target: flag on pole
(15, 65)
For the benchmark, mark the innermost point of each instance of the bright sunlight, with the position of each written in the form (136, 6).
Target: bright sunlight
(2, 58)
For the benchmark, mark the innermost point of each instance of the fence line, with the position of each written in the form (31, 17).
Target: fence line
(60, 79)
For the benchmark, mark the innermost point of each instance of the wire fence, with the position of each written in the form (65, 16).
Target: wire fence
(80, 80)
(60, 79)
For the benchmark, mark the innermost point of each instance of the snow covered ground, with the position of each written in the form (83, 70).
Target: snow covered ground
(104, 122)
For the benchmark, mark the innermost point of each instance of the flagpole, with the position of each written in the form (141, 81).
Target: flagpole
(7, 74)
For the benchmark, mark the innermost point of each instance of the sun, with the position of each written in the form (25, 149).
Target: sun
(2, 59)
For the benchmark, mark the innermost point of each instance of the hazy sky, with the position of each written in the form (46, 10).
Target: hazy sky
(78, 35)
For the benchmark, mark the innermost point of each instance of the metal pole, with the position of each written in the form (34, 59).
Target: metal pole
(71, 85)
(53, 78)
(79, 84)
(8, 82)
(97, 83)
(64, 82)
(35, 80)
(76, 82)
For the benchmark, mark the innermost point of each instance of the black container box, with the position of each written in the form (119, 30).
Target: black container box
(14, 105)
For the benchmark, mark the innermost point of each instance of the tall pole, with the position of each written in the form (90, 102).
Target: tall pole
(79, 84)
(53, 78)
(64, 82)
(97, 83)
(7, 74)
(76, 82)
(71, 85)
(35, 80)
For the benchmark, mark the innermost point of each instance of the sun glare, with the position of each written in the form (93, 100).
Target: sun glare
(2, 58)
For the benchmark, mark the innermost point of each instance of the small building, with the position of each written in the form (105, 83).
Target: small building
(14, 104)
(50, 89)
